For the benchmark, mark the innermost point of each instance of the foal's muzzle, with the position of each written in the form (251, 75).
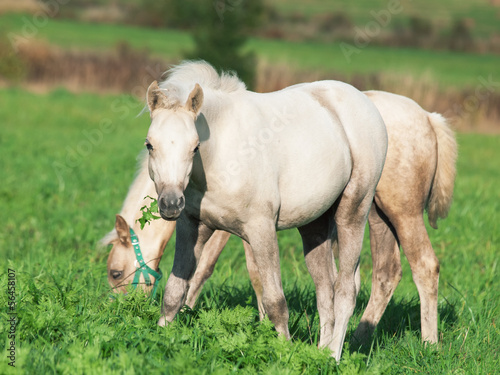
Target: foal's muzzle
(170, 205)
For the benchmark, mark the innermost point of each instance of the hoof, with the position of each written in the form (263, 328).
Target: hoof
(162, 322)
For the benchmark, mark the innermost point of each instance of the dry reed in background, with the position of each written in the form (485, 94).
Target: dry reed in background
(125, 70)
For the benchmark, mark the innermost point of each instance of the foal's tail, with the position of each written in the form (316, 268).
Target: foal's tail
(441, 193)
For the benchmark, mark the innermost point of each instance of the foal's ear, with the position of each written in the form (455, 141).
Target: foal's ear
(122, 229)
(195, 100)
(156, 97)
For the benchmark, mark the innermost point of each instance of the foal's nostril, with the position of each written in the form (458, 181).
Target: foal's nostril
(162, 203)
(180, 203)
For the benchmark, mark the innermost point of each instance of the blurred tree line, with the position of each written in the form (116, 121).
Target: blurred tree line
(219, 28)
(235, 20)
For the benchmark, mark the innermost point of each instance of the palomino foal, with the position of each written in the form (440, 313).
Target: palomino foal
(317, 171)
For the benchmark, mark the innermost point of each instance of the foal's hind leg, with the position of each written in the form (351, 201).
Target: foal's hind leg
(425, 270)
(206, 264)
(350, 220)
(386, 273)
(335, 248)
(318, 256)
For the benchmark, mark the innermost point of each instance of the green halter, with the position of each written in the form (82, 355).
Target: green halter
(143, 268)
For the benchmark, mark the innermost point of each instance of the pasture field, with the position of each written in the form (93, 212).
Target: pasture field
(67, 162)
(483, 12)
(482, 15)
(442, 68)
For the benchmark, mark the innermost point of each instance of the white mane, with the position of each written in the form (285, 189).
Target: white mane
(182, 78)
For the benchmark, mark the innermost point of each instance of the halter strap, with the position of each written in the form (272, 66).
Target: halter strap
(143, 268)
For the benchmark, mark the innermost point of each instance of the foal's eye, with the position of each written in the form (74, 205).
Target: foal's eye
(116, 274)
(149, 146)
(196, 148)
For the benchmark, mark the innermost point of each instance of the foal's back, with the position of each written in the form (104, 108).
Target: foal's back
(310, 135)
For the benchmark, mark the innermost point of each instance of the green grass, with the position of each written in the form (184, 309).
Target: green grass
(444, 68)
(78, 35)
(62, 183)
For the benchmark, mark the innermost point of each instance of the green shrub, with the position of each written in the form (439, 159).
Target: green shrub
(221, 31)
(12, 67)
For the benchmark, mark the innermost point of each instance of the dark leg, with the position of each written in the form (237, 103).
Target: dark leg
(191, 238)
(318, 255)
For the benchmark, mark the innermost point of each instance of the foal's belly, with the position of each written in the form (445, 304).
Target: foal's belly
(314, 183)
(303, 208)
